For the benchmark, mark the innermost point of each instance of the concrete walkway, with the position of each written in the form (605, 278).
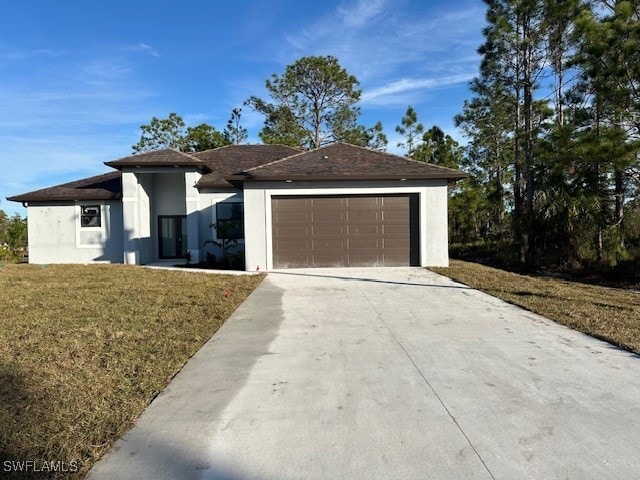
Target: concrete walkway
(393, 373)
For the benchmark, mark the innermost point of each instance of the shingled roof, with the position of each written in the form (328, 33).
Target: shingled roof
(238, 163)
(225, 161)
(342, 161)
(167, 157)
(101, 187)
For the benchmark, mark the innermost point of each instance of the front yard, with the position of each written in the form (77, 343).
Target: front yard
(84, 349)
(611, 314)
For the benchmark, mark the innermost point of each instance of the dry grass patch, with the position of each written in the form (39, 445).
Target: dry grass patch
(84, 349)
(607, 313)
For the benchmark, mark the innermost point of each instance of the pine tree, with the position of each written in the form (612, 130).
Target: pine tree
(410, 129)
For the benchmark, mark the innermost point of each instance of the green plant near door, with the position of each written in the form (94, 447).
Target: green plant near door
(226, 242)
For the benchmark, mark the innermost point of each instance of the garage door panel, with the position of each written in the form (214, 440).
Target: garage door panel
(327, 217)
(291, 216)
(395, 200)
(327, 202)
(394, 260)
(322, 244)
(364, 243)
(292, 231)
(395, 245)
(352, 230)
(396, 230)
(370, 216)
(365, 259)
(327, 230)
(290, 202)
(365, 201)
(364, 229)
(292, 245)
(328, 260)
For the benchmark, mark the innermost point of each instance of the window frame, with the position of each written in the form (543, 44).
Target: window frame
(238, 233)
(97, 216)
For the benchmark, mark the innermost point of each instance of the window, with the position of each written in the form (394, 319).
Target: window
(230, 220)
(90, 215)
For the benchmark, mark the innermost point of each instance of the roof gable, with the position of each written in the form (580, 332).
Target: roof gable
(342, 161)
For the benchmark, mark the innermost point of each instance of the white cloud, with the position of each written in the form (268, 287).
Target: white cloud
(143, 48)
(393, 93)
(362, 12)
(375, 40)
(28, 54)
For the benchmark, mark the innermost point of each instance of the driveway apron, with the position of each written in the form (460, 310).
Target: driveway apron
(380, 373)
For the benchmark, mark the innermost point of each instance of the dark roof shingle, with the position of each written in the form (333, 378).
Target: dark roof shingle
(237, 163)
(101, 187)
(159, 158)
(225, 161)
(342, 161)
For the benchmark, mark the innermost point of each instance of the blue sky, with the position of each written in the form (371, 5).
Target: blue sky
(78, 78)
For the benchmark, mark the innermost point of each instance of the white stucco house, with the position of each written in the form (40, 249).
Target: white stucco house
(340, 205)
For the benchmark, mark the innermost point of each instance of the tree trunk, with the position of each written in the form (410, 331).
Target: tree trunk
(527, 74)
(619, 211)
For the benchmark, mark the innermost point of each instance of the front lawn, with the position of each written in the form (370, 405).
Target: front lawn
(84, 349)
(608, 313)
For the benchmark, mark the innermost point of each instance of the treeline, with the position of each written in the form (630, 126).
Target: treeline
(13, 237)
(554, 129)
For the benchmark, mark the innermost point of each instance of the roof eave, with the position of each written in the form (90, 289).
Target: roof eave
(119, 166)
(451, 176)
(62, 198)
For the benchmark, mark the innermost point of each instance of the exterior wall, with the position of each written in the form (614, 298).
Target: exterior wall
(148, 193)
(167, 198)
(192, 211)
(136, 204)
(55, 234)
(433, 214)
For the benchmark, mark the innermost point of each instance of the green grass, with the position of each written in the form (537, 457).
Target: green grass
(84, 349)
(607, 313)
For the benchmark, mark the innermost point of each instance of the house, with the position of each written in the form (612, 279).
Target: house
(340, 205)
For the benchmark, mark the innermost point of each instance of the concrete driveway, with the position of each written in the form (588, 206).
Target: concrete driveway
(393, 373)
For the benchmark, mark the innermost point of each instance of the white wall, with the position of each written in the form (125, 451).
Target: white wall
(434, 250)
(55, 234)
(192, 211)
(148, 193)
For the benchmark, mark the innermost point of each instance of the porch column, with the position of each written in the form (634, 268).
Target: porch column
(192, 199)
(130, 219)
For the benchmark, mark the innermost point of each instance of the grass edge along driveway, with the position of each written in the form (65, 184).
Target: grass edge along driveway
(609, 314)
(84, 349)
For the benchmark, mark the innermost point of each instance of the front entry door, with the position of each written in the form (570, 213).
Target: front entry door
(172, 232)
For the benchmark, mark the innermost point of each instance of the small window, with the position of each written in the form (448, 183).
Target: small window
(230, 217)
(90, 215)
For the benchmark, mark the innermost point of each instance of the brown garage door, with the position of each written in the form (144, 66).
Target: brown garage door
(345, 231)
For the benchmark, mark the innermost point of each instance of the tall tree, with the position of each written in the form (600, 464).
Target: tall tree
(314, 94)
(559, 23)
(161, 133)
(280, 125)
(170, 132)
(609, 55)
(487, 121)
(513, 56)
(349, 131)
(234, 132)
(438, 148)
(13, 236)
(410, 129)
(203, 137)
